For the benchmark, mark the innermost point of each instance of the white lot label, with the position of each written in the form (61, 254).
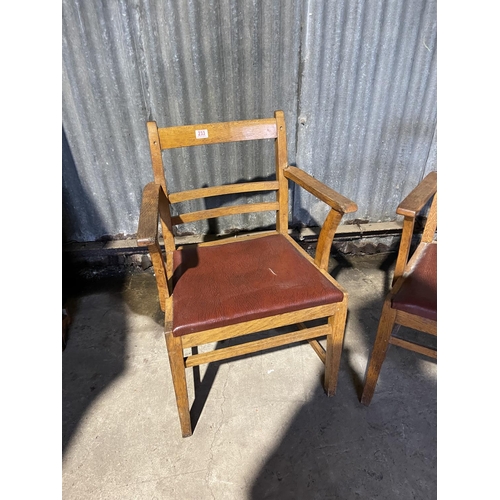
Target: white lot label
(202, 134)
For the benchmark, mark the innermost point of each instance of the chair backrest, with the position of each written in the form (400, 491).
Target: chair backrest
(216, 133)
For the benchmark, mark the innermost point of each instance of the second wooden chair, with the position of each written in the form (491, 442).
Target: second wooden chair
(412, 300)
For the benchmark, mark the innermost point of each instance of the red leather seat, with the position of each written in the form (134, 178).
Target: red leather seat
(223, 285)
(418, 295)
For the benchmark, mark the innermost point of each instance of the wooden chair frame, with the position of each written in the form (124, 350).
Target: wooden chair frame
(156, 206)
(391, 319)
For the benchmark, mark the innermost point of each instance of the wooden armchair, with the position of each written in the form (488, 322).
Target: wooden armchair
(412, 301)
(223, 289)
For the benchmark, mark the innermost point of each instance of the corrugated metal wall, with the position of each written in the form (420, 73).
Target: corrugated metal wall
(356, 80)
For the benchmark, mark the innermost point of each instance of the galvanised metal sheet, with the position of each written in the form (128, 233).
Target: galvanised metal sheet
(356, 80)
(175, 62)
(367, 102)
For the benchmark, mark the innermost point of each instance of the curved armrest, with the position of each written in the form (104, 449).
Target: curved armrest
(154, 204)
(419, 196)
(339, 206)
(320, 190)
(147, 231)
(415, 201)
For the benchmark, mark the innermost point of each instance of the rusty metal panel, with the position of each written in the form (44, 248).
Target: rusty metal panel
(356, 80)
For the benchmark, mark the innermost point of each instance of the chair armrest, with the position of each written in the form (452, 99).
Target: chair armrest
(147, 231)
(409, 208)
(154, 204)
(320, 190)
(419, 196)
(339, 206)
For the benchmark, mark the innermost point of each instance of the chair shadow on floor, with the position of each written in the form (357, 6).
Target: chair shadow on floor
(338, 448)
(95, 354)
(94, 351)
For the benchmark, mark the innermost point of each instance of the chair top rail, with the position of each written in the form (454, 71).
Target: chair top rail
(215, 133)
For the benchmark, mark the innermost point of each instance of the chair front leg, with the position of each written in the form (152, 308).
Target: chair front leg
(334, 344)
(385, 327)
(176, 358)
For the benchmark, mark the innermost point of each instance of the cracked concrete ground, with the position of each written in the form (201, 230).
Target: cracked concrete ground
(264, 429)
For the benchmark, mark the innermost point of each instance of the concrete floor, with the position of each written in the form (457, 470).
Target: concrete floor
(264, 427)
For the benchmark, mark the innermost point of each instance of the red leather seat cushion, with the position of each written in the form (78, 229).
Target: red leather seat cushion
(222, 285)
(418, 295)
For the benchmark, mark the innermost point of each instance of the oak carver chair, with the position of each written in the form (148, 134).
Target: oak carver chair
(412, 300)
(219, 290)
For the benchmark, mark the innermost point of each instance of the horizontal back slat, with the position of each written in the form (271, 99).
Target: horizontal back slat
(247, 187)
(214, 133)
(223, 211)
